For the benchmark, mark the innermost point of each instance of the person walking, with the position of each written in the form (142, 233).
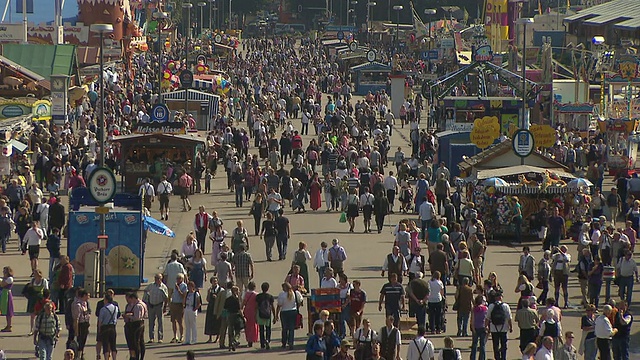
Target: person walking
(392, 296)
(544, 275)
(604, 331)
(212, 321)
(177, 308)
(464, 301)
(627, 269)
(164, 192)
(337, 256)
(560, 266)
(527, 319)
(269, 233)
(622, 323)
(244, 270)
(527, 263)
(289, 302)
(265, 313)
(366, 203)
(200, 226)
(588, 346)
(192, 303)
(321, 261)
(47, 331)
(478, 328)
(381, 209)
(249, 310)
(283, 234)
(390, 339)
(499, 321)
(107, 321)
(81, 315)
(134, 314)
(436, 297)
(420, 348)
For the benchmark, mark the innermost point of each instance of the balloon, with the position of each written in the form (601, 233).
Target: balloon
(166, 75)
(171, 65)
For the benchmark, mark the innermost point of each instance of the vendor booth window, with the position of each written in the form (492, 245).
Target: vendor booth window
(468, 116)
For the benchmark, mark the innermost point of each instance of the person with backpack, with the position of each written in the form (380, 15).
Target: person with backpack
(449, 352)
(499, 321)
(164, 191)
(265, 310)
(107, 320)
(549, 327)
(46, 332)
(421, 348)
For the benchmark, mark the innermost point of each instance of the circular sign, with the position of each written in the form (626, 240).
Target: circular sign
(102, 185)
(353, 46)
(371, 55)
(186, 79)
(160, 113)
(218, 38)
(523, 142)
(340, 35)
(201, 59)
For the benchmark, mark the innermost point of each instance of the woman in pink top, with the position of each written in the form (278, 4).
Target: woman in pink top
(415, 233)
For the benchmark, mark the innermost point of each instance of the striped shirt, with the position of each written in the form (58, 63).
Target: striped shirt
(353, 182)
(47, 325)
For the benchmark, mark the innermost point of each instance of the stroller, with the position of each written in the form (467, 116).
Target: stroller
(406, 199)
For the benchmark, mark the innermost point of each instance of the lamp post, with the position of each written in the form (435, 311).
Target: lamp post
(188, 7)
(201, 5)
(397, 9)
(160, 16)
(369, 6)
(429, 13)
(229, 15)
(212, 4)
(351, 10)
(102, 29)
(524, 22)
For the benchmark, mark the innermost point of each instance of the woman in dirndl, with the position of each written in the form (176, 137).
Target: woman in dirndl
(6, 297)
(352, 209)
(212, 322)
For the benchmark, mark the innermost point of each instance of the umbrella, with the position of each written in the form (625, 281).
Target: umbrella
(579, 183)
(157, 227)
(494, 181)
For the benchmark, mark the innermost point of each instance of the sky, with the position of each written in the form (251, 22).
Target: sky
(43, 11)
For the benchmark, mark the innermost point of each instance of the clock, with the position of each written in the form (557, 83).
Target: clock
(58, 85)
(371, 55)
(218, 38)
(353, 46)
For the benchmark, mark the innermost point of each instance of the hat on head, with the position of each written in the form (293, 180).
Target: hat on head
(602, 218)
(345, 343)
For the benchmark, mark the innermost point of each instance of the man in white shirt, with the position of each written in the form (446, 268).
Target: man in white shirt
(164, 190)
(420, 348)
(366, 203)
(321, 260)
(32, 239)
(328, 281)
(426, 212)
(627, 268)
(148, 191)
(604, 331)
(391, 186)
(546, 350)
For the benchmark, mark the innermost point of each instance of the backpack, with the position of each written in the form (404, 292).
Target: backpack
(264, 308)
(550, 329)
(498, 314)
(430, 197)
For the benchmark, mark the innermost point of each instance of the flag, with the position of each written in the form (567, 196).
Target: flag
(418, 26)
(157, 227)
(19, 9)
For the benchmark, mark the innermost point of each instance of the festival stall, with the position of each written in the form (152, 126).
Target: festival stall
(371, 76)
(152, 154)
(622, 144)
(493, 190)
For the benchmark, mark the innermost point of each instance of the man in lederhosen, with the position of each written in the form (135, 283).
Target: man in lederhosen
(135, 313)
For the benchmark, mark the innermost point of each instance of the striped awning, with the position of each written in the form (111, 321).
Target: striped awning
(195, 95)
(203, 84)
(526, 190)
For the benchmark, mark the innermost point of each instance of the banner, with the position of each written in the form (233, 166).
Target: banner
(497, 20)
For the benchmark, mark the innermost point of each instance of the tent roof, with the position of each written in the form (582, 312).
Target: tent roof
(519, 169)
(44, 60)
(371, 66)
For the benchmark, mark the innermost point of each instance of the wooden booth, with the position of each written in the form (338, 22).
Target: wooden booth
(153, 155)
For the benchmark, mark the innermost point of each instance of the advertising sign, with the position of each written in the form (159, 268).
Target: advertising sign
(523, 143)
(102, 185)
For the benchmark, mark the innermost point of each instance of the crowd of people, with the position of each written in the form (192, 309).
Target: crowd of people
(280, 89)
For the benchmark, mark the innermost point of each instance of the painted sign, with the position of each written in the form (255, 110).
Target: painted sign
(447, 43)
(545, 135)
(172, 128)
(124, 254)
(508, 123)
(44, 34)
(102, 185)
(485, 131)
(41, 110)
(186, 79)
(160, 113)
(483, 53)
(452, 125)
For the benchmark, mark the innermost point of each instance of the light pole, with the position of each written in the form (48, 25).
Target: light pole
(160, 16)
(429, 13)
(369, 6)
(201, 5)
(102, 29)
(397, 9)
(212, 3)
(351, 10)
(229, 15)
(524, 22)
(187, 6)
